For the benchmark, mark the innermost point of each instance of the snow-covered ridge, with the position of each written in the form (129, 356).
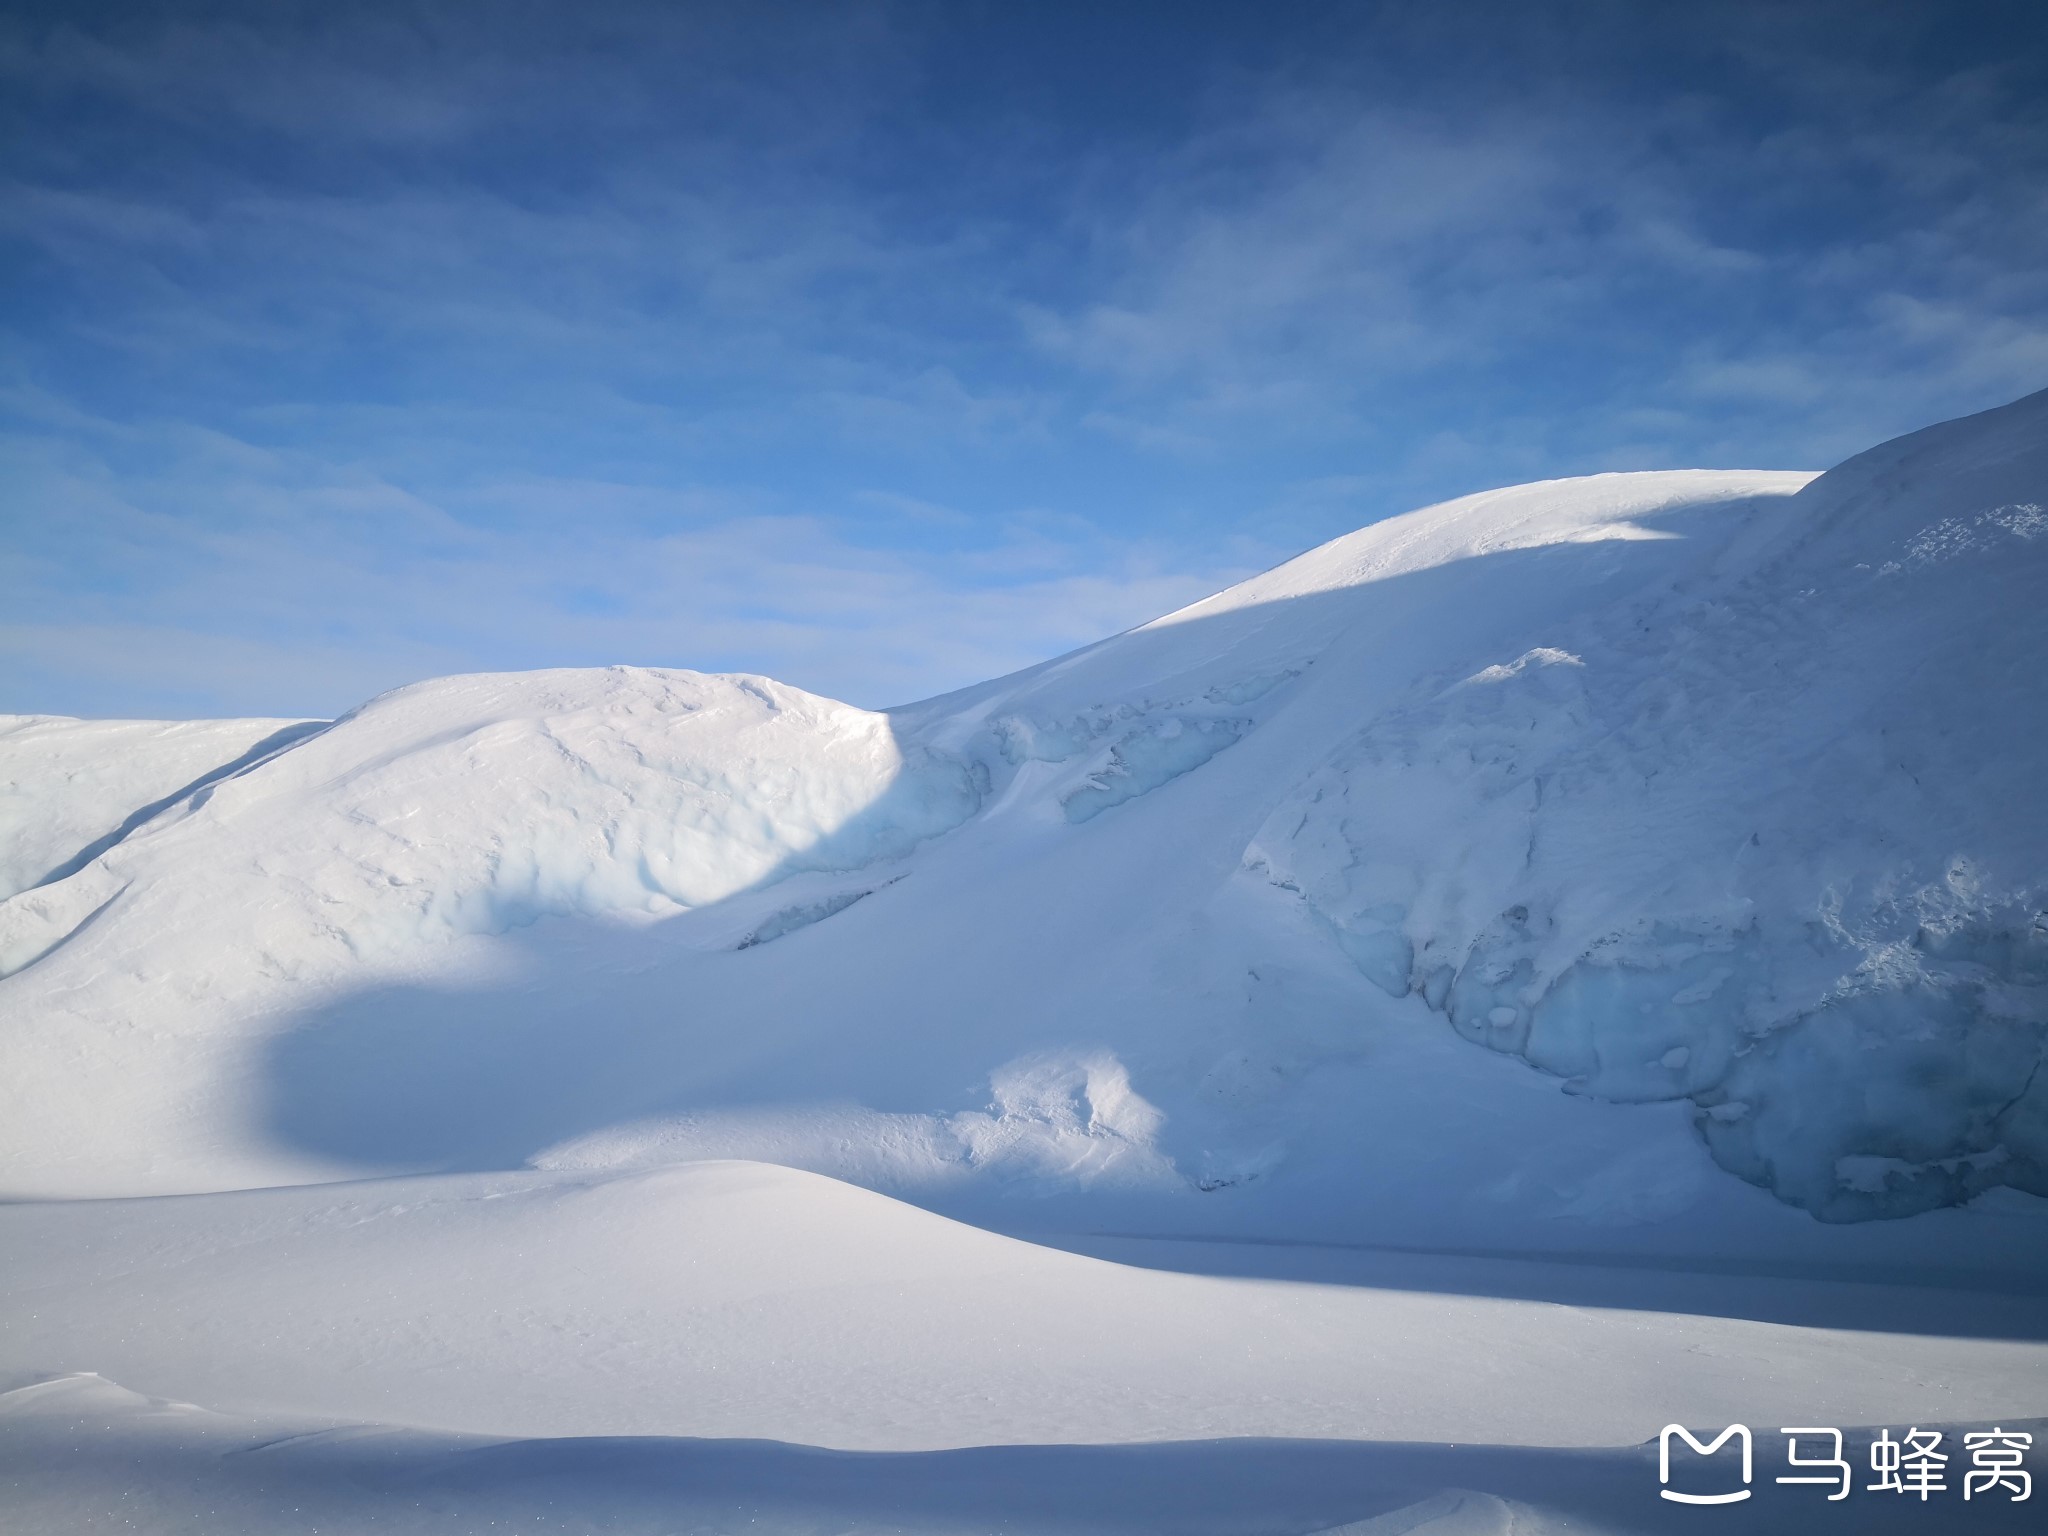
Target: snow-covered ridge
(481, 804)
(1711, 793)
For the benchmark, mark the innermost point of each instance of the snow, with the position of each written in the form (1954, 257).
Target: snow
(70, 788)
(1145, 759)
(734, 1300)
(718, 1306)
(1409, 1009)
(104, 1458)
(451, 810)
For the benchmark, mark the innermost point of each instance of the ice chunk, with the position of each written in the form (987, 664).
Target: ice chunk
(1147, 758)
(1058, 1118)
(789, 919)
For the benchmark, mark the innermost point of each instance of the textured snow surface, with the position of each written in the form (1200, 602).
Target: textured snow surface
(738, 1300)
(85, 1454)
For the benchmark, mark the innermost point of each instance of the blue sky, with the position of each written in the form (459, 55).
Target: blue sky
(883, 348)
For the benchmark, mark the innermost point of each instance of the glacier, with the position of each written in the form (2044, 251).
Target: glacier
(1765, 842)
(1707, 795)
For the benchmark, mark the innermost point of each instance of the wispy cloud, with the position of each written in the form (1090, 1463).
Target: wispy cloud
(886, 346)
(1326, 252)
(238, 578)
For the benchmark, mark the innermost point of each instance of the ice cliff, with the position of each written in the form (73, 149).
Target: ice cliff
(1773, 839)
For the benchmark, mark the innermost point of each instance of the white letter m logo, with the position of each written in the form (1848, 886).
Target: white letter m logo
(1713, 1445)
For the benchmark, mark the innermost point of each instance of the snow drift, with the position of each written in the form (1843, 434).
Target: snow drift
(739, 1301)
(1714, 795)
(727, 1346)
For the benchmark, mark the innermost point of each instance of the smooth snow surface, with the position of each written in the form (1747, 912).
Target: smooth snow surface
(724, 1306)
(1528, 971)
(742, 1301)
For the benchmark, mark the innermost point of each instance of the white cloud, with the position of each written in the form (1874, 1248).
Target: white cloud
(307, 587)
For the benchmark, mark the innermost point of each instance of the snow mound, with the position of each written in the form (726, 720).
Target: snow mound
(1054, 1121)
(481, 804)
(450, 811)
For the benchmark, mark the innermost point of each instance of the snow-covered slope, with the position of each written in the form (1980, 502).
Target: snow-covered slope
(1710, 794)
(722, 1347)
(71, 788)
(481, 804)
(735, 1300)
(343, 1357)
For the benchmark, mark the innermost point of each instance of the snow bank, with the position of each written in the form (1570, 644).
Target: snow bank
(432, 817)
(198, 1469)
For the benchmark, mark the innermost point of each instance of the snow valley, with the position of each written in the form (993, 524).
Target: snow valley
(1363, 1051)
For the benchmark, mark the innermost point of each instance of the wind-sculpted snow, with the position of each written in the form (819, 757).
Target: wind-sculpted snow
(1772, 841)
(732, 1299)
(1240, 958)
(1054, 1121)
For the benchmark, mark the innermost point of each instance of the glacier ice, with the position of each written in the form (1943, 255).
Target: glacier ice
(1147, 758)
(1773, 846)
(789, 919)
